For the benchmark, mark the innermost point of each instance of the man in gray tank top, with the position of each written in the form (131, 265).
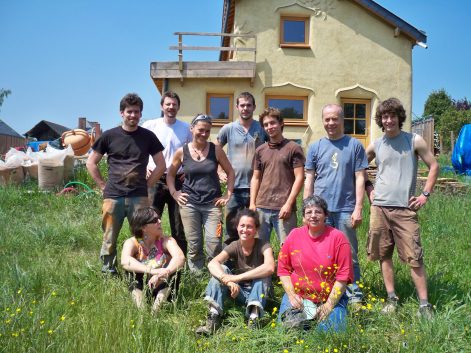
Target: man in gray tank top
(393, 218)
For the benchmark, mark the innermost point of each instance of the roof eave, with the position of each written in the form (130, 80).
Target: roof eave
(416, 35)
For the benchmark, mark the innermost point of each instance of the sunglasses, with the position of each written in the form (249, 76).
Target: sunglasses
(201, 117)
(154, 220)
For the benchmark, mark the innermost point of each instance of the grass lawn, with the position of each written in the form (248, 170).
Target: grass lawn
(55, 299)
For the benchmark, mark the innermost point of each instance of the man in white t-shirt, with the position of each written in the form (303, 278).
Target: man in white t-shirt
(173, 134)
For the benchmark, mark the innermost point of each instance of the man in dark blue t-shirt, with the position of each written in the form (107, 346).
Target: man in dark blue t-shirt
(128, 148)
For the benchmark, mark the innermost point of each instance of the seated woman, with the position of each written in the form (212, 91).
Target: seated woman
(150, 257)
(200, 197)
(249, 285)
(315, 266)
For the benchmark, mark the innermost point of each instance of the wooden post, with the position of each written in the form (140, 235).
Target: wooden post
(452, 139)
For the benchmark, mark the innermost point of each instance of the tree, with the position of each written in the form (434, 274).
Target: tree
(3, 94)
(462, 104)
(438, 102)
(452, 120)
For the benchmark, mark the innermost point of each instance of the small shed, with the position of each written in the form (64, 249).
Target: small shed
(46, 131)
(9, 138)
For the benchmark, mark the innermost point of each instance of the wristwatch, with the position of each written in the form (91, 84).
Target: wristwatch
(426, 193)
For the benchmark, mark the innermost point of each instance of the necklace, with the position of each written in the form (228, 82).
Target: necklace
(199, 155)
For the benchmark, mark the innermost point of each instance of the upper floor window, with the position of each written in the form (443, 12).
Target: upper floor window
(294, 32)
(220, 107)
(293, 108)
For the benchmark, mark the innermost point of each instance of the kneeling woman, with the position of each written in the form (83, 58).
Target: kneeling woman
(315, 266)
(150, 257)
(249, 285)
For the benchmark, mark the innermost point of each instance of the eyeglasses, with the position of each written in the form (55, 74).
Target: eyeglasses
(201, 117)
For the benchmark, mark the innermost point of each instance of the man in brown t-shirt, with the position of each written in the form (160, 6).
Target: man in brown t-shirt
(277, 178)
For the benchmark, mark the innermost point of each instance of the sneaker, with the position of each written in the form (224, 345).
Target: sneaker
(253, 324)
(390, 306)
(425, 312)
(213, 322)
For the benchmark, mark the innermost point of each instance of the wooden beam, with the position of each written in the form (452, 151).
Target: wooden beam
(191, 47)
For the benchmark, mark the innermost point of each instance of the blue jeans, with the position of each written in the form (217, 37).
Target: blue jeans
(269, 220)
(113, 213)
(336, 321)
(197, 218)
(240, 199)
(342, 221)
(251, 293)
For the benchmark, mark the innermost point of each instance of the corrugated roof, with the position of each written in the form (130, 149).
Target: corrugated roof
(7, 130)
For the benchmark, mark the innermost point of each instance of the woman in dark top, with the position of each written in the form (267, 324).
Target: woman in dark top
(251, 278)
(200, 198)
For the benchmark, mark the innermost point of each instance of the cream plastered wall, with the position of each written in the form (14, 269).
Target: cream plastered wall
(352, 54)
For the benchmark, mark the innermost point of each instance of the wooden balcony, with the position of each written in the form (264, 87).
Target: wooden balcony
(181, 69)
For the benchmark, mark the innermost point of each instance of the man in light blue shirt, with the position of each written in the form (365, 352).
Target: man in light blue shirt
(335, 170)
(242, 137)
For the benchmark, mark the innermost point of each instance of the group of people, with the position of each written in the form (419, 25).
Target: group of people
(168, 161)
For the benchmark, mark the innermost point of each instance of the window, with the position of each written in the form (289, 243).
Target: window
(293, 108)
(357, 118)
(220, 107)
(294, 32)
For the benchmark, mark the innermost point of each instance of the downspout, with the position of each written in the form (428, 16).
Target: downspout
(164, 89)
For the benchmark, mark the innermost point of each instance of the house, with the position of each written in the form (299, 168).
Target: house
(298, 55)
(9, 138)
(46, 131)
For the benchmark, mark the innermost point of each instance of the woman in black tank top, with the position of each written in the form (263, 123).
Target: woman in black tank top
(200, 198)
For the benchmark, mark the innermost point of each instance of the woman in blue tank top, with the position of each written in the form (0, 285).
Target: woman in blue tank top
(200, 198)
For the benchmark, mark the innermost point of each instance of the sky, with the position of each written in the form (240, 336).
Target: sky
(67, 59)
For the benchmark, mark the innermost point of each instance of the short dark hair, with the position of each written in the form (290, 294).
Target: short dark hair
(170, 94)
(273, 112)
(131, 99)
(246, 95)
(247, 212)
(140, 218)
(391, 105)
(315, 201)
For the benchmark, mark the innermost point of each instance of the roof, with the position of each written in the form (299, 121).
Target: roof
(46, 125)
(414, 34)
(7, 130)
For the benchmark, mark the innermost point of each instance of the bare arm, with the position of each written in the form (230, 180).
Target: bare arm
(254, 187)
(264, 270)
(336, 293)
(309, 184)
(285, 211)
(227, 167)
(222, 175)
(130, 263)
(360, 177)
(370, 155)
(178, 258)
(179, 196)
(295, 299)
(92, 165)
(416, 202)
(158, 171)
(216, 270)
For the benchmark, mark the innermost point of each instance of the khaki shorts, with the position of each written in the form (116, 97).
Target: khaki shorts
(393, 226)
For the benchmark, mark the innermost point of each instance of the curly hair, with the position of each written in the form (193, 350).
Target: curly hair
(392, 106)
(315, 201)
(272, 112)
(247, 212)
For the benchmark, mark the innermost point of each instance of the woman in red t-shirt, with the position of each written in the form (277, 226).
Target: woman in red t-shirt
(315, 266)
